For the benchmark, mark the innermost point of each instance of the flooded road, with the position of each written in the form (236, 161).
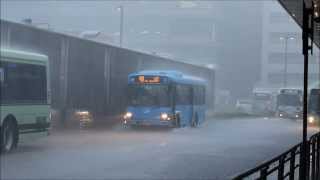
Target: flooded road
(218, 149)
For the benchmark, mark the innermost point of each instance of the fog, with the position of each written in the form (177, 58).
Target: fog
(150, 89)
(203, 33)
(236, 38)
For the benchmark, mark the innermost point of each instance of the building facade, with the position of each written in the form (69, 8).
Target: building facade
(282, 59)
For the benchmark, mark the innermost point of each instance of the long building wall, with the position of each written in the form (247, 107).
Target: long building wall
(87, 74)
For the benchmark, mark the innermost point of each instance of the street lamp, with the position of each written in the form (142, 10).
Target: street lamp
(285, 69)
(121, 10)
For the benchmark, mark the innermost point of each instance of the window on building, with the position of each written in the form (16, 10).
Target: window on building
(279, 58)
(293, 38)
(279, 18)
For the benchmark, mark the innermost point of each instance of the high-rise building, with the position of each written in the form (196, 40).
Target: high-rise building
(282, 59)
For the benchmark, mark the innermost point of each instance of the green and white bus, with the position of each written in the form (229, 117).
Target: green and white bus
(24, 96)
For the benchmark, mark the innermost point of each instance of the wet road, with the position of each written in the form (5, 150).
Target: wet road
(218, 149)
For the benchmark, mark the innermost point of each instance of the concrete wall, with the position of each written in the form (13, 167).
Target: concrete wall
(87, 74)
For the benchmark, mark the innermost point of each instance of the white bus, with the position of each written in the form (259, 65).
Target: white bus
(25, 96)
(289, 103)
(263, 102)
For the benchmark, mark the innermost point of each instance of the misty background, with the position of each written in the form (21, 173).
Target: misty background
(227, 36)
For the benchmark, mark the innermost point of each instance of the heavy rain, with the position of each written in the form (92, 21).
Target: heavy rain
(150, 89)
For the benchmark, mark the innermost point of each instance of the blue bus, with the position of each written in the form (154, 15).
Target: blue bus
(165, 98)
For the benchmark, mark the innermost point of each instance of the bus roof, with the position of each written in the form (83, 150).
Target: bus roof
(174, 76)
(23, 55)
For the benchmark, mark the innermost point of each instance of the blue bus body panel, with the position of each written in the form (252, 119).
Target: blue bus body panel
(149, 116)
(185, 114)
(199, 111)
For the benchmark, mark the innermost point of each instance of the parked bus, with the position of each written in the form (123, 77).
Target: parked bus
(165, 98)
(263, 102)
(25, 90)
(314, 107)
(289, 103)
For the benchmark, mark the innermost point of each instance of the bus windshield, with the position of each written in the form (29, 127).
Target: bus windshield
(289, 100)
(149, 95)
(315, 102)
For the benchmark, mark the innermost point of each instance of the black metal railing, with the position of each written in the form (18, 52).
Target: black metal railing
(287, 165)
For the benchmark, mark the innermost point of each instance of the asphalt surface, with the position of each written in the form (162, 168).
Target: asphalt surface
(218, 149)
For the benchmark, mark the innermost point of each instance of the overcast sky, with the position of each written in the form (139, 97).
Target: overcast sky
(227, 34)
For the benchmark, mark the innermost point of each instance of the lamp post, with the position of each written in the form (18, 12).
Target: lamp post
(120, 8)
(285, 69)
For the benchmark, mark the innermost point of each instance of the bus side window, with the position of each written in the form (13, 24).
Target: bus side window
(171, 92)
(199, 95)
(196, 95)
(1, 76)
(184, 96)
(203, 95)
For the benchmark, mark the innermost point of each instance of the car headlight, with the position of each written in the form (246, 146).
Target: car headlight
(280, 114)
(311, 119)
(164, 116)
(128, 115)
(297, 115)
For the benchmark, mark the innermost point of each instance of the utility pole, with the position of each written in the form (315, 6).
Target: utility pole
(306, 32)
(285, 62)
(285, 69)
(120, 8)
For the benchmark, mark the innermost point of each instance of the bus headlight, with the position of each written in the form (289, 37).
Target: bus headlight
(83, 113)
(164, 116)
(311, 119)
(128, 115)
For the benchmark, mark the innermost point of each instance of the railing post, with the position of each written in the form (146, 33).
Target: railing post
(264, 173)
(281, 168)
(300, 164)
(318, 157)
(292, 164)
(313, 159)
(308, 160)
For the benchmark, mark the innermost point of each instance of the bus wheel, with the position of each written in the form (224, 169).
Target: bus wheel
(178, 124)
(9, 136)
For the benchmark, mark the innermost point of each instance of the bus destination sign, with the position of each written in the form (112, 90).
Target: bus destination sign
(148, 79)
